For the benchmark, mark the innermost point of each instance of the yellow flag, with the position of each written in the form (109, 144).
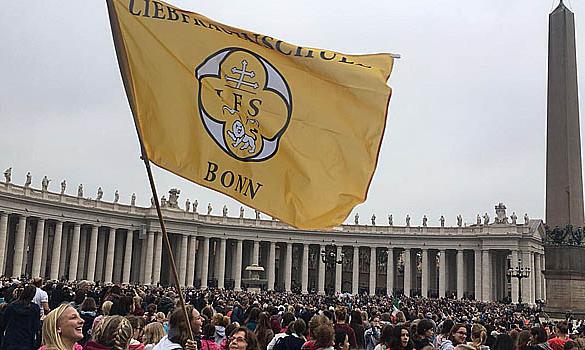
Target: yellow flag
(289, 130)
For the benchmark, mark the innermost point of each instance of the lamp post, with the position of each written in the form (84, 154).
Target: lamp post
(329, 258)
(519, 272)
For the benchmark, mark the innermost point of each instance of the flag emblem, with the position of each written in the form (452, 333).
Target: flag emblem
(245, 103)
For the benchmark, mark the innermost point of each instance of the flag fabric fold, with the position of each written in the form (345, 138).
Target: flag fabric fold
(291, 131)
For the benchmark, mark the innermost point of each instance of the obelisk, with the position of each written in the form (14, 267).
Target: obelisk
(564, 185)
(565, 260)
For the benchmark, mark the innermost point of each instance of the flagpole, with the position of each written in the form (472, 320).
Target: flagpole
(125, 72)
(163, 228)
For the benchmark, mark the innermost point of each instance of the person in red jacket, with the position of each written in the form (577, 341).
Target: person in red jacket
(558, 342)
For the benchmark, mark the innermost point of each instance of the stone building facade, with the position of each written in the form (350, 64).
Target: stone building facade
(56, 235)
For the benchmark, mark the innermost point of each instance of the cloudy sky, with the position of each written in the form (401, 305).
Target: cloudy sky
(467, 118)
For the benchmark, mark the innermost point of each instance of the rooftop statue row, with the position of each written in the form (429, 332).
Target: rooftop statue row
(45, 187)
(173, 203)
(500, 218)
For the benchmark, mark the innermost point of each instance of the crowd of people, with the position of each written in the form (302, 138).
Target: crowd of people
(81, 315)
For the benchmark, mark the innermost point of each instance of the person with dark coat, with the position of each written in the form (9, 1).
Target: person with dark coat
(22, 319)
(237, 313)
(294, 338)
(424, 334)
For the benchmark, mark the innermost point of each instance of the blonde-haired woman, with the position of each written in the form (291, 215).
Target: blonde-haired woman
(106, 307)
(62, 328)
(478, 337)
(113, 332)
(153, 333)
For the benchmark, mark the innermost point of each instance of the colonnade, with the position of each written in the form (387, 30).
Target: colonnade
(74, 250)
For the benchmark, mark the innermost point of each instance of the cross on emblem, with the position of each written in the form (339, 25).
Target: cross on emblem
(243, 74)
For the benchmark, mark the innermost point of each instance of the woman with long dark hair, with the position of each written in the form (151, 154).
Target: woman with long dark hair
(401, 339)
(252, 319)
(263, 331)
(22, 318)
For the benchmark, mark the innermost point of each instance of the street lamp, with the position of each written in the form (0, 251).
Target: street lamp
(329, 258)
(519, 272)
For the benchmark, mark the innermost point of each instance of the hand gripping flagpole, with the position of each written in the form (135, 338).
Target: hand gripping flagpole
(125, 72)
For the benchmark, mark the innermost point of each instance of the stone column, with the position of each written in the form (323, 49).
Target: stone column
(305, 270)
(191, 260)
(74, 256)
(110, 256)
(128, 257)
(148, 262)
(221, 264)
(525, 281)
(538, 277)
(355, 276)
(157, 252)
(91, 260)
(256, 253)
(183, 260)
(407, 272)
(271, 272)
(486, 274)
(442, 272)
(390, 272)
(424, 279)
(3, 235)
(373, 270)
(514, 280)
(460, 275)
(55, 256)
(238, 267)
(532, 277)
(205, 263)
(477, 274)
(38, 249)
(338, 270)
(19, 247)
(321, 284)
(288, 268)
